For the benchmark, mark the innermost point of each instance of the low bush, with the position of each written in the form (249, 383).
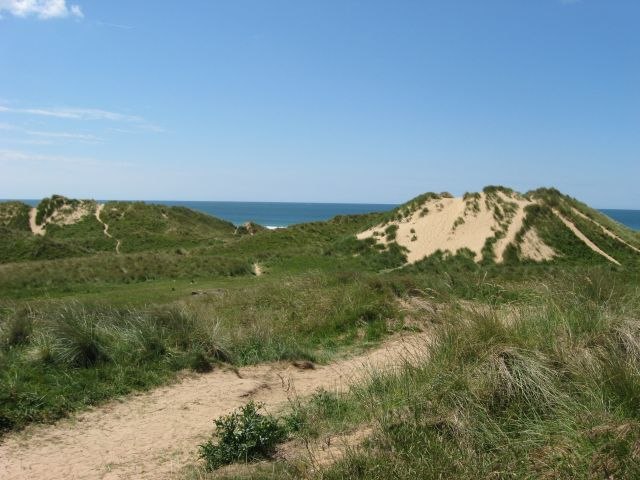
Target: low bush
(243, 436)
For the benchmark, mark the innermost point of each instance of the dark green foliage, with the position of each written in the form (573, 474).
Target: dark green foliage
(493, 189)
(17, 329)
(78, 340)
(243, 436)
(391, 232)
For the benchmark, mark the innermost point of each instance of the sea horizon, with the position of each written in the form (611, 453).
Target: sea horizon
(283, 214)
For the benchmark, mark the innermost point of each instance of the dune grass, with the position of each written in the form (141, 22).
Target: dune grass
(543, 388)
(60, 356)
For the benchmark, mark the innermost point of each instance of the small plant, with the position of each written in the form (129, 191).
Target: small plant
(391, 232)
(459, 221)
(243, 436)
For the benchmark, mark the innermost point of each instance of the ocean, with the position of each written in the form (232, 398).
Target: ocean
(280, 214)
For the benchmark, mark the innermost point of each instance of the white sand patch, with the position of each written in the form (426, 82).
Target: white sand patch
(570, 225)
(452, 224)
(533, 248)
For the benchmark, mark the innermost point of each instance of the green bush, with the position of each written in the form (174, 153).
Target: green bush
(18, 329)
(243, 436)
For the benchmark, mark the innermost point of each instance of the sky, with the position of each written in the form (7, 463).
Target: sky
(319, 101)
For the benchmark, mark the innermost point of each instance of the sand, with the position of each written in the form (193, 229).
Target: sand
(451, 224)
(571, 226)
(533, 248)
(605, 230)
(514, 227)
(155, 434)
(35, 228)
(105, 227)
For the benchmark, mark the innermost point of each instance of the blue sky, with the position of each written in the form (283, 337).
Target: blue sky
(300, 100)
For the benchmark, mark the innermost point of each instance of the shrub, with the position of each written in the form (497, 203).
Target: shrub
(18, 328)
(391, 232)
(78, 339)
(244, 435)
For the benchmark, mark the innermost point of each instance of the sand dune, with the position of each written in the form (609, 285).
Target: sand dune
(484, 222)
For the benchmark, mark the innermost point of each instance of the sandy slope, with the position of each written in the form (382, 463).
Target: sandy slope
(571, 226)
(155, 434)
(451, 224)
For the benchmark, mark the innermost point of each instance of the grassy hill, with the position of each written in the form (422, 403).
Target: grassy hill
(70, 228)
(532, 301)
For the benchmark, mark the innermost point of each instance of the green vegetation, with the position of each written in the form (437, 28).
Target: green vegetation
(534, 368)
(243, 436)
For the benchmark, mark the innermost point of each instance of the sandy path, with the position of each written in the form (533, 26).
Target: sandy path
(35, 228)
(153, 435)
(105, 227)
(570, 225)
(99, 208)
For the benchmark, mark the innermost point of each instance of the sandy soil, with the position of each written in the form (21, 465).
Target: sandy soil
(571, 226)
(105, 227)
(35, 228)
(153, 435)
(514, 227)
(442, 228)
(68, 215)
(257, 269)
(533, 248)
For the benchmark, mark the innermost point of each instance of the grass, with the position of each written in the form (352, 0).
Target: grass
(535, 373)
(550, 389)
(103, 350)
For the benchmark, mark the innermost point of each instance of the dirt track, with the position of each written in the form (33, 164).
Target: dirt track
(153, 435)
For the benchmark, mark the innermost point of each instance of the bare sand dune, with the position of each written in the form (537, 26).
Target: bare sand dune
(492, 219)
(155, 434)
(451, 224)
